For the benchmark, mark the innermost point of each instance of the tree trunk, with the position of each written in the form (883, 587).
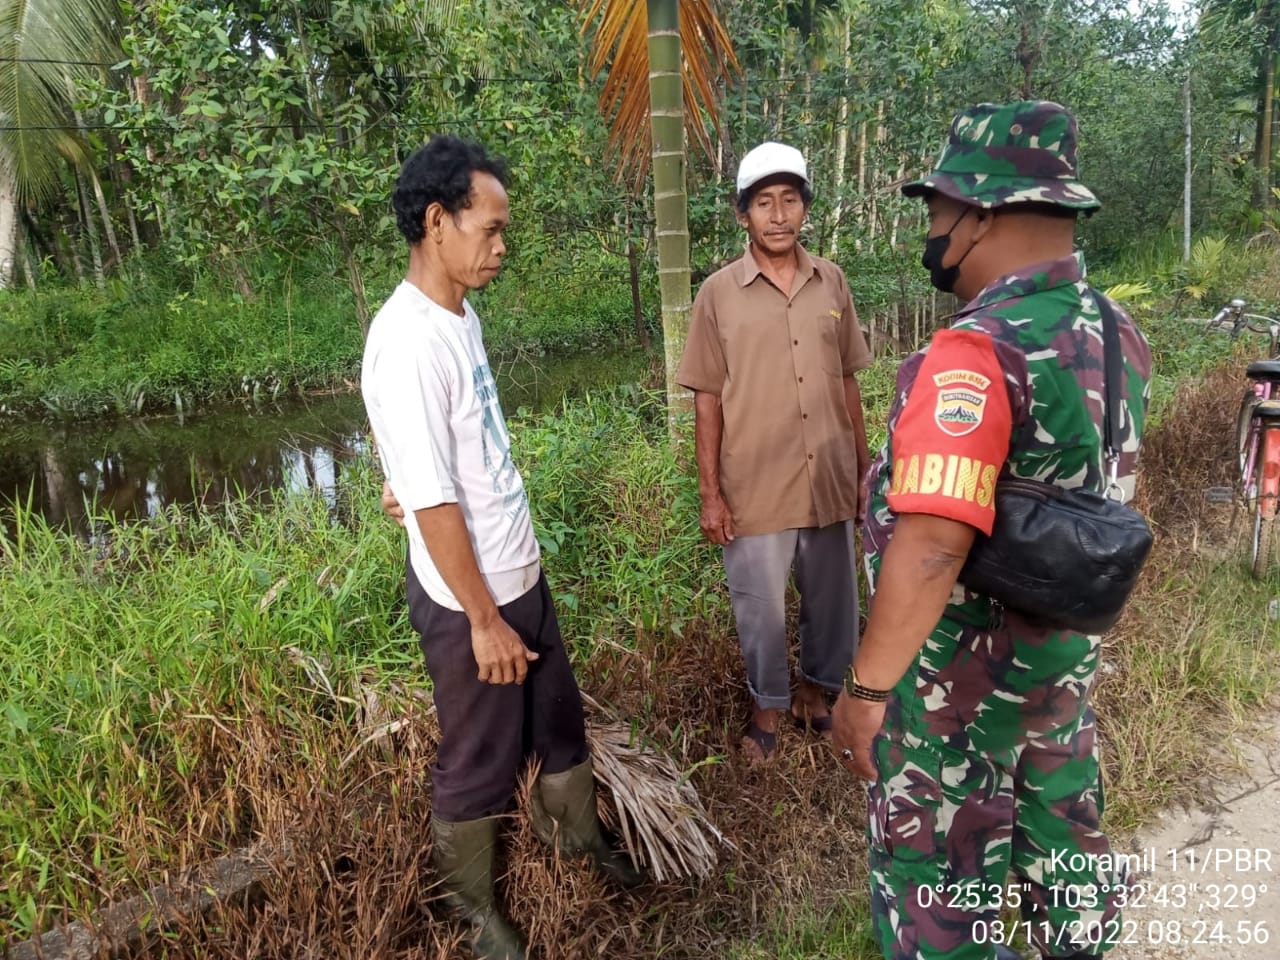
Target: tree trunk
(873, 218)
(806, 103)
(44, 245)
(105, 213)
(242, 279)
(897, 211)
(356, 280)
(637, 306)
(1266, 97)
(1028, 55)
(357, 291)
(782, 68)
(862, 180)
(101, 198)
(28, 267)
(86, 222)
(8, 231)
(670, 201)
(1186, 173)
(842, 145)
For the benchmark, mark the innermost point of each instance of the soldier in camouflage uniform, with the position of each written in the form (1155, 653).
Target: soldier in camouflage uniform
(974, 726)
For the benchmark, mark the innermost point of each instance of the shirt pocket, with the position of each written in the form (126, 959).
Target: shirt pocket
(828, 324)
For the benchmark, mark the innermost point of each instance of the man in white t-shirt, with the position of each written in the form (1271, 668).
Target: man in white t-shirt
(503, 687)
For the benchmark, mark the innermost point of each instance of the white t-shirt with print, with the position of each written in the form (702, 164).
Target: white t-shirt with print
(433, 406)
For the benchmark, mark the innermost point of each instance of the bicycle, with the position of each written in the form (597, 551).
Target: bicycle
(1258, 430)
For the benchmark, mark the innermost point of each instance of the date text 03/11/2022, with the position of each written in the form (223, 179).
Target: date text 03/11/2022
(1192, 896)
(1114, 932)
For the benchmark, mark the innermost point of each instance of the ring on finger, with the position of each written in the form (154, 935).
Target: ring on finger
(846, 753)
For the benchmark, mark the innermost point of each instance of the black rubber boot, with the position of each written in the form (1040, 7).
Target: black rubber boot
(463, 855)
(562, 809)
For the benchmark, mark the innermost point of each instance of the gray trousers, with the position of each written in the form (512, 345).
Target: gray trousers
(757, 569)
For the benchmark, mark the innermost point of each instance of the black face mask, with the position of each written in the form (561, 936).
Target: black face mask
(935, 248)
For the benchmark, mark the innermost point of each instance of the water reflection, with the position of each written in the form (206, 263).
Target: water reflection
(138, 468)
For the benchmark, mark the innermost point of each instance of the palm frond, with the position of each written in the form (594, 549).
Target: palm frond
(47, 48)
(621, 45)
(442, 14)
(1138, 294)
(657, 810)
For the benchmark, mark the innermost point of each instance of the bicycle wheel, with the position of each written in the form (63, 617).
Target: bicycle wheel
(1244, 439)
(1263, 540)
(1264, 512)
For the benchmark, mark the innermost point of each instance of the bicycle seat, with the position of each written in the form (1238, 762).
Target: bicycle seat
(1263, 370)
(1267, 410)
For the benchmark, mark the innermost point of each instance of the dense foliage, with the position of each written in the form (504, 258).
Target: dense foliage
(229, 190)
(236, 137)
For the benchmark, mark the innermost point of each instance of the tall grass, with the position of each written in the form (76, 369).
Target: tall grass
(107, 642)
(154, 714)
(174, 340)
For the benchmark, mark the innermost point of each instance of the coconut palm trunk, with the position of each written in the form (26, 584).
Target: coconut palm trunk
(670, 200)
(683, 51)
(9, 235)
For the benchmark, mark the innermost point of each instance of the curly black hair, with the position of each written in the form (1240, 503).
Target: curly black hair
(439, 172)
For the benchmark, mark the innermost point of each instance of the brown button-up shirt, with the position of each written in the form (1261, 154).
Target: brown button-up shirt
(777, 361)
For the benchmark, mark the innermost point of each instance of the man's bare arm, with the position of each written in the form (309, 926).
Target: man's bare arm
(716, 520)
(917, 573)
(918, 570)
(500, 654)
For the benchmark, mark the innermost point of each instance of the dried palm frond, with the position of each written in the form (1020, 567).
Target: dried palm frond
(657, 810)
(622, 44)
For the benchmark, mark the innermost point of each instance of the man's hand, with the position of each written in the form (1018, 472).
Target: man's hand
(864, 490)
(390, 505)
(500, 654)
(854, 724)
(716, 520)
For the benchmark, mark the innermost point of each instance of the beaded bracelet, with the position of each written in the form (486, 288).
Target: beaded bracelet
(855, 689)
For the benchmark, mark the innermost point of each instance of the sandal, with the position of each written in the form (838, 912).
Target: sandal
(765, 740)
(817, 725)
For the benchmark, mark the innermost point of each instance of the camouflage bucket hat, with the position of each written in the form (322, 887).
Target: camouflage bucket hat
(997, 154)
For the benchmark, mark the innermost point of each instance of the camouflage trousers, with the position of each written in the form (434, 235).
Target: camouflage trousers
(985, 818)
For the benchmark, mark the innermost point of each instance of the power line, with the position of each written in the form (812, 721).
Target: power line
(390, 72)
(307, 125)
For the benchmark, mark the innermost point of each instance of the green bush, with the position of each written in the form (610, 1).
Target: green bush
(79, 351)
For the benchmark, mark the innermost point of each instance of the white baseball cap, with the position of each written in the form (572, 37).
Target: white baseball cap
(770, 158)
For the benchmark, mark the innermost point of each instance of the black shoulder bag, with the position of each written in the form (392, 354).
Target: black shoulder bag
(1066, 559)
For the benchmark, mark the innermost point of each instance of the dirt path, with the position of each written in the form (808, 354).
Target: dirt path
(1210, 887)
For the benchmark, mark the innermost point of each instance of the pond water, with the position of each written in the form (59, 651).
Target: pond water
(135, 468)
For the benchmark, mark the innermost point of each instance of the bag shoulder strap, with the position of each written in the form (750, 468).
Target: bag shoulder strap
(1113, 373)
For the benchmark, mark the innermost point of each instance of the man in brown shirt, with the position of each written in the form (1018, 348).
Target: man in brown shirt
(773, 347)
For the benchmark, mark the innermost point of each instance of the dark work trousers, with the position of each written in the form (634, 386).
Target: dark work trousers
(488, 731)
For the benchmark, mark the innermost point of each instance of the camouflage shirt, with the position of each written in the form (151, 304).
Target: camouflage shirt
(1043, 327)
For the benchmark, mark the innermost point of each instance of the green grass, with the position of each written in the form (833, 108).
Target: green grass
(1194, 667)
(105, 642)
(119, 650)
(109, 643)
(173, 342)
(842, 933)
